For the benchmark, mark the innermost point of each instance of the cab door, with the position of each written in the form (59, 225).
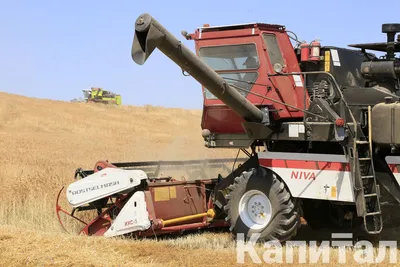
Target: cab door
(289, 88)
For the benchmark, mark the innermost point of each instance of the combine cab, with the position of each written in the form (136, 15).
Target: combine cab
(317, 124)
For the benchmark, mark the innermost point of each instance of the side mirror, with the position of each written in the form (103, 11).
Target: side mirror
(278, 68)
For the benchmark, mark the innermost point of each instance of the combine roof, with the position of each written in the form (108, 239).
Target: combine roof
(241, 26)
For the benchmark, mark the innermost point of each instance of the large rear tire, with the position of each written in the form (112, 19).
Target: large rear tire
(259, 203)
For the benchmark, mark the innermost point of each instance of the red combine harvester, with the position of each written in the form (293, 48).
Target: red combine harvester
(317, 123)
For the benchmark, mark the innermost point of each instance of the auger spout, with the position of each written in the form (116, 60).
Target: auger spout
(150, 34)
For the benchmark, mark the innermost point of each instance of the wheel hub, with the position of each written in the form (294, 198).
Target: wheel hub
(255, 209)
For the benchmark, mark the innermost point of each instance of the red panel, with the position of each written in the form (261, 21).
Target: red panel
(393, 168)
(221, 119)
(224, 34)
(98, 226)
(302, 164)
(174, 200)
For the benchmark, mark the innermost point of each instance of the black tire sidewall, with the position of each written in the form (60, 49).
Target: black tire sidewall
(265, 181)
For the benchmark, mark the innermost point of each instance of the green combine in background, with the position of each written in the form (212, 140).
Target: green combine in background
(98, 95)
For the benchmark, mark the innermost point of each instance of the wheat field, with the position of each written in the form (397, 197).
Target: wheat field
(42, 142)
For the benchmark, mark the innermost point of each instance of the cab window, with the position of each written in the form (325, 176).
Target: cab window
(237, 64)
(274, 53)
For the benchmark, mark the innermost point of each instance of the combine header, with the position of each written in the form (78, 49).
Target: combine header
(127, 196)
(318, 124)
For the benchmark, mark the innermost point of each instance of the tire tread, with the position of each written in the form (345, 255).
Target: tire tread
(288, 219)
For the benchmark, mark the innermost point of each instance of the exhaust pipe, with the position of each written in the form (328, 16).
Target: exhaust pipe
(150, 34)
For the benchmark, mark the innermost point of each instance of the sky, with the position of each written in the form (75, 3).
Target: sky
(55, 49)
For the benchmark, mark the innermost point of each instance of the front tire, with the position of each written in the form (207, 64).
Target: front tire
(258, 202)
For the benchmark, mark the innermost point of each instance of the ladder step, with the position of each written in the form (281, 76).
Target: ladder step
(362, 142)
(370, 195)
(367, 177)
(364, 159)
(373, 213)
